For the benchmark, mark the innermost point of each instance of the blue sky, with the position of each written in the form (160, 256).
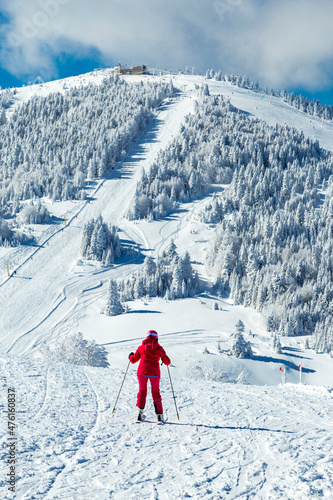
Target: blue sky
(325, 97)
(286, 44)
(65, 64)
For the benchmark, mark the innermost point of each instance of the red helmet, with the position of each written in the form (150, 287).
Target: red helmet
(152, 334)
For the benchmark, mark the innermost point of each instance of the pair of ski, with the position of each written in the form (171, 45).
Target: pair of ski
(142, 418)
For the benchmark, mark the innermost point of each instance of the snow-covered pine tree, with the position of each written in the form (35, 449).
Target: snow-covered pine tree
(240, 348)
(100, 241)
(113, 305)
(149, 266)
(74, 349)
(86, 237)
(34, 214)
(170, 275)
(5, 232)
(277, 344)
(3, 118)
(240, 327)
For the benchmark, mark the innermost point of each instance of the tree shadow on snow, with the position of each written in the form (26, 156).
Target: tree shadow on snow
(294, 349)
(280, 361)
(294, 355)
(32, 243)
(137, 148)
(143, 311)
(243, 112)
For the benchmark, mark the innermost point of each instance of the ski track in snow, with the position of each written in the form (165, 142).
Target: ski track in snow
(232, 441)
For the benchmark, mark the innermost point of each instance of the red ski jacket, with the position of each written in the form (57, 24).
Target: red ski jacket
(149, 354)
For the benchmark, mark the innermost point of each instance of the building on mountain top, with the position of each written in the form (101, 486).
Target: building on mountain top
(132, 70)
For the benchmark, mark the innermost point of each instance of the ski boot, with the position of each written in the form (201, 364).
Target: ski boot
(140, 416)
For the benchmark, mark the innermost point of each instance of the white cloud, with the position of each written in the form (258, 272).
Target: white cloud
(290, 42)
(282, 43)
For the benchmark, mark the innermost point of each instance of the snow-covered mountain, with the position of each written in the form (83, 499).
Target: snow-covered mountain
(247, 427)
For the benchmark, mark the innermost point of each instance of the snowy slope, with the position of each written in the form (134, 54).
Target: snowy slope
(241, 433)
(231, 441)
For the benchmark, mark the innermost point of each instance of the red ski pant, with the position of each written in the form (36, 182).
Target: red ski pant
(155, 392)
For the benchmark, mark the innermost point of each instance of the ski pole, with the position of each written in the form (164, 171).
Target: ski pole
(173, 393)
(114, 408)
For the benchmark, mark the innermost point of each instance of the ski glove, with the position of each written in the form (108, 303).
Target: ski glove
(130, 354)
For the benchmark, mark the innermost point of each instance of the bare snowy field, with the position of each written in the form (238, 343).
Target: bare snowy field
(242, 433)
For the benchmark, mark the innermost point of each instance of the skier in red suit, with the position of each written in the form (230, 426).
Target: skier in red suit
(149, 353)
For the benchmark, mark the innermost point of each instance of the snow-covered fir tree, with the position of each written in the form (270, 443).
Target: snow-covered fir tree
(76, 350)
(240, 327)
(170, 276)
(6, 99)
(276, 343)
(5, 231)
(240, 347)
(34, 213)
(100, 241)
(10, 237)
(113, 304)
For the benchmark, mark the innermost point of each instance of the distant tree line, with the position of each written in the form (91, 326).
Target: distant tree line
(313, 107)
